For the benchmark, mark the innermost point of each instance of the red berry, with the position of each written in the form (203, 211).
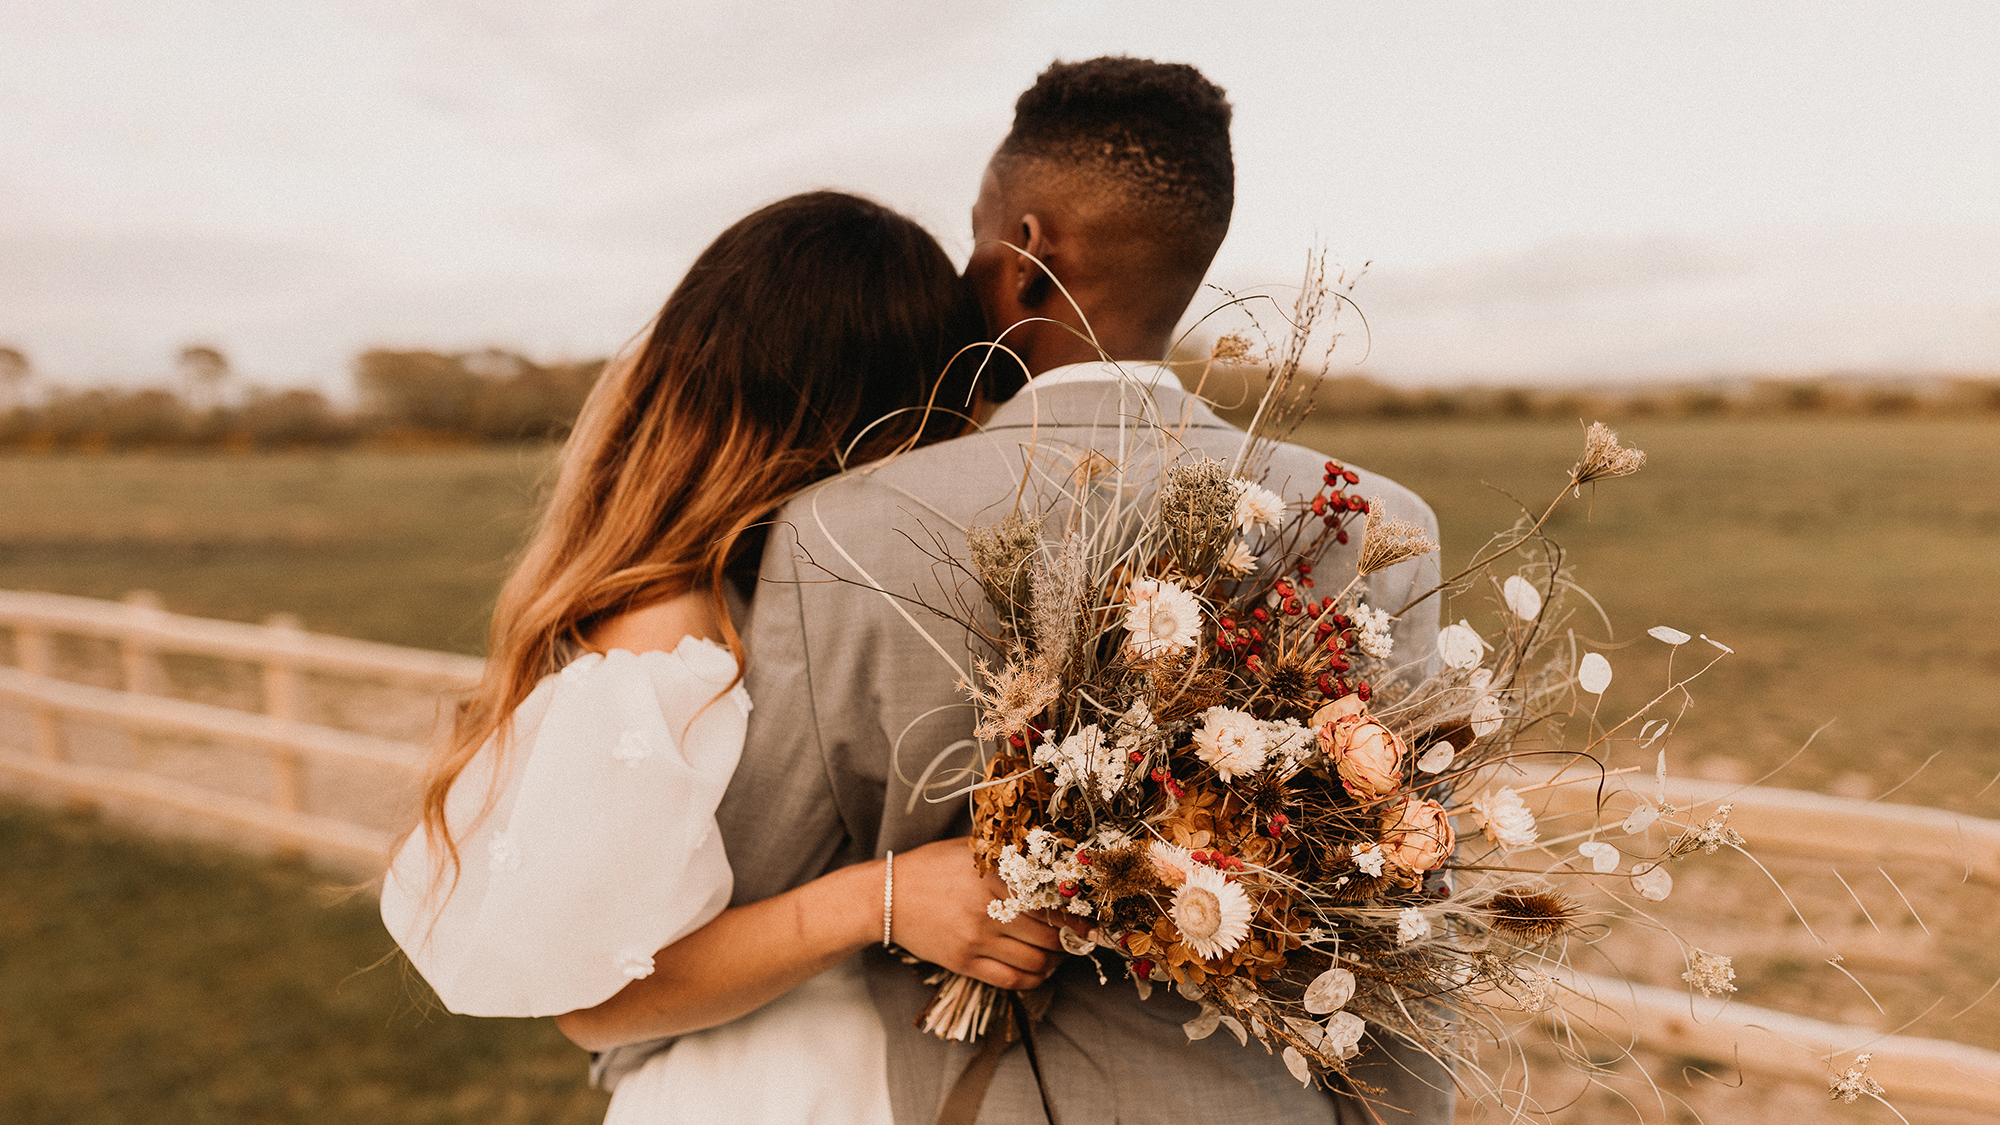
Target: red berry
(1340, 536)
(1258, 614)
(1137, 756)
(1142, 968)
(1331, 520)
(1083, 857)
(1319, 505)
(1227, 624)
(1294, 606)
(1363, 690)
(1333, 466)
(1361, 505)
(1066, 888)
(1351, 477)
(1325, 684)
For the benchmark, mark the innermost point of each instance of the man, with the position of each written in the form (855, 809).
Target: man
(1114, 189)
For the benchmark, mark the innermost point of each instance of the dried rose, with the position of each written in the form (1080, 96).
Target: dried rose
(1368, 755)
(1417, 835)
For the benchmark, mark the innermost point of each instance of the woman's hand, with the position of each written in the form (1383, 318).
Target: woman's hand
(940, 916)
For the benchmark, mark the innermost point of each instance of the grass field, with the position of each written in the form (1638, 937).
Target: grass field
(156, 981)
(1853, 564)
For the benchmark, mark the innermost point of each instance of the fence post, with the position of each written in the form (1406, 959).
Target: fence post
(141, 663)
(31, 649)
(281, 701)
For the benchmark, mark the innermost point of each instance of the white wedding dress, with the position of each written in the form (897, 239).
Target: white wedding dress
(599, 847)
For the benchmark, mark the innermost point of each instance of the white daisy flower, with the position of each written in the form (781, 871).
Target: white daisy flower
(1238, 560)
(1212, 913)
(1161, 617)
(1256, 505)
(1233, 742)
(1505, 817)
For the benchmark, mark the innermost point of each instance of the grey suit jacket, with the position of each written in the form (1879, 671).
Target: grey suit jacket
(853, 703)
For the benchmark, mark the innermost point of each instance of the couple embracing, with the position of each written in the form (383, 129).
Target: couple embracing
(685, 812)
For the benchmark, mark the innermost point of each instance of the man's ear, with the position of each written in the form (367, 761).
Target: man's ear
(1032, 285)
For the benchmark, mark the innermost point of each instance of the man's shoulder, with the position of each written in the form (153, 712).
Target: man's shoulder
(1295, 471)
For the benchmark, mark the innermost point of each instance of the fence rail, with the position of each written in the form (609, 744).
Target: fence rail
(1773, 1044)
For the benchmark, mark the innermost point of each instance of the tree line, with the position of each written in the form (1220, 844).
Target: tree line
(400, 396)
(429, 397)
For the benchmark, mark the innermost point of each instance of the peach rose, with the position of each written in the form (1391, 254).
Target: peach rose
(1368, 755)
(1417, 835)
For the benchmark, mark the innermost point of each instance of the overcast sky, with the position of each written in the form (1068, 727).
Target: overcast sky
(1564, 191)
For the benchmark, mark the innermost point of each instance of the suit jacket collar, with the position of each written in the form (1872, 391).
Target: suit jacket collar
(1104, 402)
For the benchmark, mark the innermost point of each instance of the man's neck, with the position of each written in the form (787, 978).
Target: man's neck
(1062, 348)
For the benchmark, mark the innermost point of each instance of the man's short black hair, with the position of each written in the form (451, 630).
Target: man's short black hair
(1155, 133)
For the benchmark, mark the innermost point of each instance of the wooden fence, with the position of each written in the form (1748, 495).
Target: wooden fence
(1774, 1045)
(283, 654)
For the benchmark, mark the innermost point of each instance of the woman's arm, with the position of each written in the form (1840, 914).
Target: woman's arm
(752, 954)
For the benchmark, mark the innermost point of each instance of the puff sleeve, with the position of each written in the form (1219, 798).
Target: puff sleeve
(584, 847)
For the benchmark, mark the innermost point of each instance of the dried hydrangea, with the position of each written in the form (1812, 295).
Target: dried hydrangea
(1709, 835)
(1369, 859)
(1085, 759)
(1710, 972)
(1371, 631)
(1412, 924)
(1854, 1082)
(1037, 875)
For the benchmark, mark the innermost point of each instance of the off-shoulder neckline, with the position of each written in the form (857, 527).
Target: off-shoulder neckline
(679, 651)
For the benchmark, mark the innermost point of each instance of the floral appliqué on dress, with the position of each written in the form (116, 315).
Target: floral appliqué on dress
(632, 749)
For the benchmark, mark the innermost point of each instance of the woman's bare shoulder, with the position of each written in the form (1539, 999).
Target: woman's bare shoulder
(659, 627)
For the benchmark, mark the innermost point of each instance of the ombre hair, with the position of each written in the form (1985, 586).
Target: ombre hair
(815, 334)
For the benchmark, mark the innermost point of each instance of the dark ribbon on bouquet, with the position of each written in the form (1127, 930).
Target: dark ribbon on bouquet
(1024, 1011)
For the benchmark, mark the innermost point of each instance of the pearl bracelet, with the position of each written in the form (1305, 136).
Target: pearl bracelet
(888, 899)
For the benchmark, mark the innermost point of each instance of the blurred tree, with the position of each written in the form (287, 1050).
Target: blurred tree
(491, 394)
(292, 417)
(203, 370)
(423, 391)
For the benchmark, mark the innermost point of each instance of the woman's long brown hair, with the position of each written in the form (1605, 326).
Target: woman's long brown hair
(811, 335)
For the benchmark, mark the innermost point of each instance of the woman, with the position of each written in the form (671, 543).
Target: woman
(567, 862)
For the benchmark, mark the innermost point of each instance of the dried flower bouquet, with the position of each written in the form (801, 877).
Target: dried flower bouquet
(1205, 752)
